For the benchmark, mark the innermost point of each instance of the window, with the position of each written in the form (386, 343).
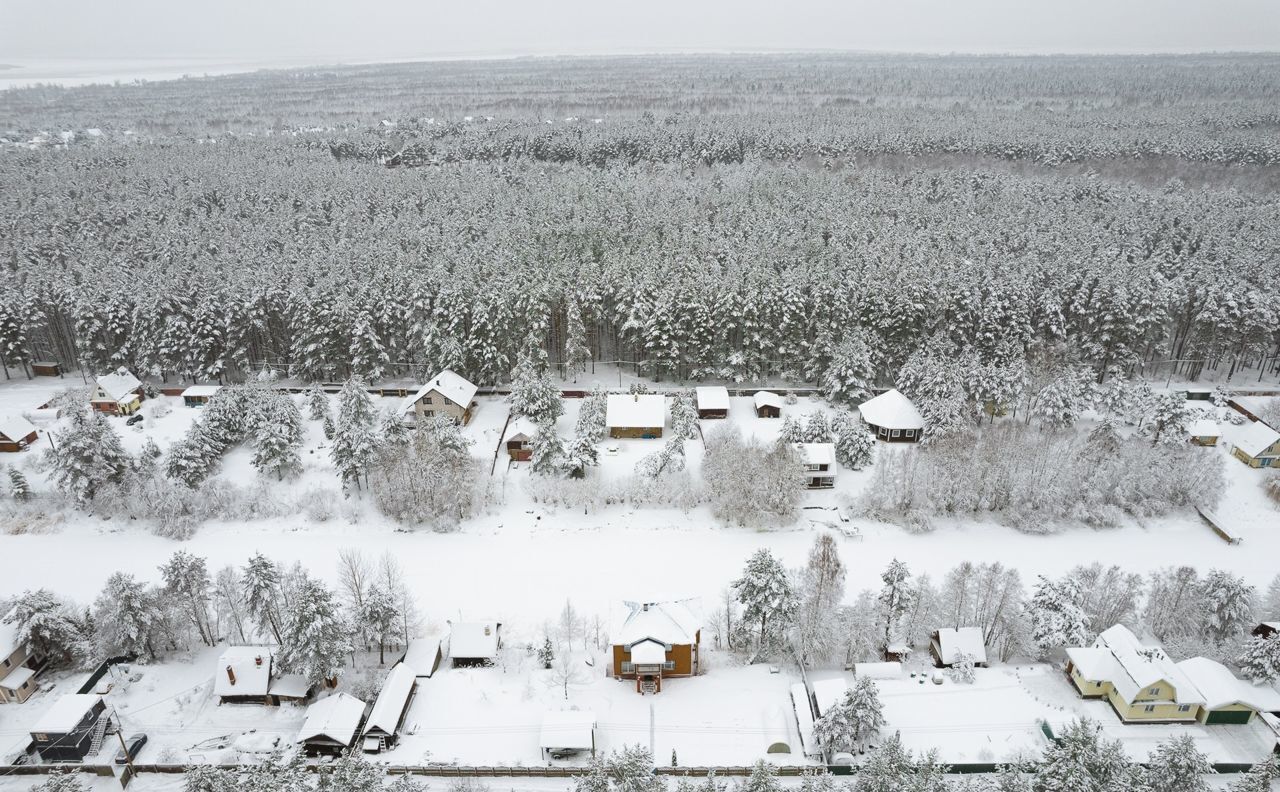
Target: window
(909, 433)
(628, 668)
(897, 432)
(41, 737)
(1149, 708)
(882, 432)
(429, 413)
(669, 665)
(1184, 708)
(1155, 691)
(427, 400)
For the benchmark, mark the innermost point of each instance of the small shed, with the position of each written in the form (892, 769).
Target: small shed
(199, 395)
(777, 737)
(712, 401)
(289, 689)
(69, 730)
(16, 433)
(567, 732)
(1266, 629)
(331, 725)
(892, 417)
(46, 368)
(382, 728)
(948, 643)
(519, 439)
(1205, 432)
(818, 461)
(424, 656)
(768, 404)
(474, 643)
(635, 415)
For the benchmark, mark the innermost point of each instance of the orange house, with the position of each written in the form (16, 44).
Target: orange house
(656, 640)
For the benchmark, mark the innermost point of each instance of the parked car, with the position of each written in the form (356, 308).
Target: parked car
(134, 419)
(130, 750)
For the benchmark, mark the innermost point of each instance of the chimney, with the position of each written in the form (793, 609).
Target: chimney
(231, 674)
(487, 631)
(257, 660)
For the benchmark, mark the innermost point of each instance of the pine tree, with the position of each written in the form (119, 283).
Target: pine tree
(317, 402)
(533, 393)
(192, 459)
(87, 455)
(186, 580)
(855, 446)
(350, 773)
(763, 778)
(277, 439)
(856, 717)
(393, 429)
(1172, 417)
(380, 613)
(895, 599)
(367, 353)
(816, 428)
(1178, 766)
(546, 653)
(354, 440)
(19, 489)
(314, 641)
(1228, 603)
(580, 454)
(1259, 660)
(684, 416)
(1258, 779)
(261, 586)
(548, 452)
(576, 352)
(127, 618)
(767, 597)
(51, 627)
(1083, 759)
(850, 375)
(792, 431)
(1056, 617)
(591, 415)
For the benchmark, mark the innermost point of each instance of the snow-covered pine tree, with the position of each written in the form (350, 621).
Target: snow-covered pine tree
(314, 641)
(892, 768)
(51, 627)
(317, 402)
(192, 459)
(591, 415)
(354, 441)
(548, 451)
(19, 489)
(380, 616)
(684, 416)
(534, 394)
(546, 653)
(277, 437)
(850, 376)
(855, 718)
(392, 429)
(367, 353)
(1082, 758)
(763, 778)
(1177, 765)
(669, 458)
(768, 600)
(186, 580)
(962, 669)
(1171, 417)
(895, 598)
(791, 431)
(855, 446)
(816, 428)
(1228, 603)
(128, 618)
(576, 352)
(87, 455)
(1057, 619)
(261, 586)
(580, 454)
(1258, 779)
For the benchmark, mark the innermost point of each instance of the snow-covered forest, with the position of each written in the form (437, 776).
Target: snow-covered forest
(695, 217)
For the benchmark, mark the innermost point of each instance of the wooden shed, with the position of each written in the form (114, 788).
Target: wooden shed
(768, 404)
(712, 401)
(16, 433)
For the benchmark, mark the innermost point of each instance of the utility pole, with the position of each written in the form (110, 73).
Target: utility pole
(128, 757)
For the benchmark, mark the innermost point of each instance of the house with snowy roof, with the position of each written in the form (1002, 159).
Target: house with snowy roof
(818, 463)
(635, 415)
(382, 727)
(768, 404)
(16, 433)
(474, 643)
(72, 729)
(1204, 432)
(948, 643)
(1256, 444)
(518, 439)
(246, 675)
(447, 394)
(199, 395)
(331, 725)
(1140, 682)
(18, 666)
(892, 417)
(712, 401)
(653, 641)
(119, 393)
(1227, 699)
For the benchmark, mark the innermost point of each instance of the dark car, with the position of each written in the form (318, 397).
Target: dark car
(132, 745)
(133, 419)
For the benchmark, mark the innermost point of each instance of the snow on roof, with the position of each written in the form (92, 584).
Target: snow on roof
(768, 399)
(1256, 438)
(1143, 667)
(951, 642)
(1095, 664)
(1204, 427)
(201, 390)
(635, 410)
(8, 635)
(251, 666)
(474, 640)
(336, 718)
(392, 700)
(15, 427)
(453, 387)
(1220, 688)
(648, 652)
(294, 686)
(520, 427)
(673, 622)
(804, 718)
(119, 385)
(18, 676)
(878, 670)
(712, 397)
(817, 453)
(66, 713)
(422, 654)
(891, 410)
(828, 692)
(568, 729)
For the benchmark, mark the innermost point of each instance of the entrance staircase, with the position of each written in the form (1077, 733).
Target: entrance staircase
(99, 734)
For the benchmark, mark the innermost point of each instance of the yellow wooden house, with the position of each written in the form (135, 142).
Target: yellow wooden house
(1257, 445)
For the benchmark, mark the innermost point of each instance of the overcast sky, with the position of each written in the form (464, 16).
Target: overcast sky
(333, 30)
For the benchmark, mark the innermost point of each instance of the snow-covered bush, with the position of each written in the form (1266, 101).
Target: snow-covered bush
(962, 670)
(432, 480)
(318, 504)
(751, 483)
(1271, 485)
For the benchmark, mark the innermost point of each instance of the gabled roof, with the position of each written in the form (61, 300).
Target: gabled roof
(648, 651)
(474, 640)
(891, 410)
(1220, 688)
(201, 390)
(1256, 438)
(672, 623)
(453, 387)
(635, 410)
(520, 427)
(1143, 667)
(8, 635)
(251, 666)
(336, 718)
(118, 385)
(828, 692)
(392, 700)
(1203, 427)
(817, 453)
(712, 397)
(421, 655)
(767, 399)
(290, 686)
(66, 713)
(572, 730)
(17, 677)
(15, 427)
(951, 642)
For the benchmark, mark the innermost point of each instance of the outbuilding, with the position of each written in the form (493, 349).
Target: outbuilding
(768, 404)
(474, 643)
(424, 656)
(199, 395)
(713, 401)
(72, 729)
(16, 433)
(46, 368)
(117, 394)
(948, 643)
(519, 439)
(1204, 432)
(382, 728)
(892, 417)
(565, 733)
(446, 394)
(635, 415)
(818, 461)
(331, 725)
(1227, 699)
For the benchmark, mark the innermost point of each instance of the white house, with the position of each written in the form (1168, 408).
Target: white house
(119, 393)
(818, 461)
(382, 727)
